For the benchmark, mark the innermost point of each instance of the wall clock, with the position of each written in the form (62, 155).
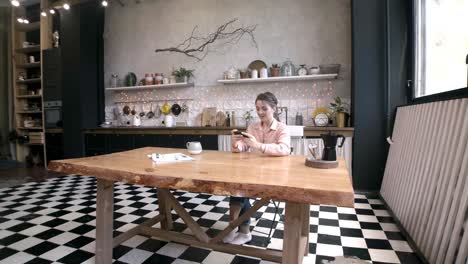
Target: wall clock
(321, 120)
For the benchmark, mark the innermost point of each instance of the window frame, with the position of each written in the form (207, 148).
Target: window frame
(418, 65)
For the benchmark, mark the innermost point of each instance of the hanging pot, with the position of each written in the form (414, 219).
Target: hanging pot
(176, 109)
(150, 114)
(166, 109)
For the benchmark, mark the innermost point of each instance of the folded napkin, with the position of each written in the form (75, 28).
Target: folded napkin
(170, 157)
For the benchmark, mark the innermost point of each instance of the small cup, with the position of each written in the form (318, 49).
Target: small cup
(31, 59)
(194, 147)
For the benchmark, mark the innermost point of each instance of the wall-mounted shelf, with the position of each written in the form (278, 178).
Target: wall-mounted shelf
(147, 87)
(282, 79)
(29, 65)
(35, 80)
(29, 49)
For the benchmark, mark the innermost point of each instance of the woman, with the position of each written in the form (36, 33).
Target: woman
(270, 137)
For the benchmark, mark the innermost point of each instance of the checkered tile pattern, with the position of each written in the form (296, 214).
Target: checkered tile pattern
(54, 222)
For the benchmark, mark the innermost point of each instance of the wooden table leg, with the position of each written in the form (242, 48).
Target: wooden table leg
(164, 208)
(306, 227)
(104, 221)
(294, 241)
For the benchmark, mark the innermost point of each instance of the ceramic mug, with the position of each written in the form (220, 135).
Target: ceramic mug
(194, 147)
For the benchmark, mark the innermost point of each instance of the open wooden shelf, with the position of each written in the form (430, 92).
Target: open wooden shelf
(29, 96)
(29, 49)
(29, 112)
(29, 65)
(35, 80)
(33, 144)
(28, 27)
(147, 87)
(30, 128)
(282, 79)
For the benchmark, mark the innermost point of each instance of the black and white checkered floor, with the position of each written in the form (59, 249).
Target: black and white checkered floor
(54, 222)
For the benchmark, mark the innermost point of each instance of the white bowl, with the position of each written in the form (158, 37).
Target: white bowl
(194, 152)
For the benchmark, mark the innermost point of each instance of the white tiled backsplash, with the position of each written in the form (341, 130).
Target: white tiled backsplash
(301, 96)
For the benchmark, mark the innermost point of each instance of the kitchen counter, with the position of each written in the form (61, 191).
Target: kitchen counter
(308, 131)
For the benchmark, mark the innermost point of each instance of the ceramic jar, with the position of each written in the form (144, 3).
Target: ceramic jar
(263, 73)
(148, 79)
(254, 74)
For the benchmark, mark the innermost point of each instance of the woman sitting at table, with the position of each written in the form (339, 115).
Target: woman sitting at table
(270, 137)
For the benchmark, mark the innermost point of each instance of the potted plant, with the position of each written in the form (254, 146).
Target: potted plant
(248, 117)
(275, 70)
(182, 74)
(340, 110)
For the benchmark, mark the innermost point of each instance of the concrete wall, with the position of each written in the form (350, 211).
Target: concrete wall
(310, 32)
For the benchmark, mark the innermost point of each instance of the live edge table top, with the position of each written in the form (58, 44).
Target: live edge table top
(222, 173)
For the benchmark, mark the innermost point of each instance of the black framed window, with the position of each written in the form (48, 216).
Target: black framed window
(440, 46)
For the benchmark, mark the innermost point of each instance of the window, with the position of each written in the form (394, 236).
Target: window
(441, 45)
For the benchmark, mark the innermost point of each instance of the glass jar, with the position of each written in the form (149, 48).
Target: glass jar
(114, 80)
(287, 69)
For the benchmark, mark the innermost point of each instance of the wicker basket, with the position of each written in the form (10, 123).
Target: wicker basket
(329, 68)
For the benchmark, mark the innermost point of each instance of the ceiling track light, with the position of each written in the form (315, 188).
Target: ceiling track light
(15, 2)
(20, 19)
(25, 21)
(66, 6)
(52, 11)
(104, 3)
(43, 13)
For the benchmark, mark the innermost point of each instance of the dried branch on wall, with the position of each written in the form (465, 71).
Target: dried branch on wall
(198, 47)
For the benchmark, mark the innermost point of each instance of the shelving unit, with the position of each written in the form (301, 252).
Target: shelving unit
(28, 92)
(282, 79)
(33, 80)
(148, 87)
(29, 65)
(29, 49)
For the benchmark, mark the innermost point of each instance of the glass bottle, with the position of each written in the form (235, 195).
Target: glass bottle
(114, 80)
(299, 119)
(233, 119)
(287, 69)
(228, 120)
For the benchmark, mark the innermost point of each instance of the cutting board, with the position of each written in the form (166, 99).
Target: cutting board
(220, 119)
(209, 116)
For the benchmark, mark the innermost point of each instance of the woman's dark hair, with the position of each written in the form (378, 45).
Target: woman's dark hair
(271, 100)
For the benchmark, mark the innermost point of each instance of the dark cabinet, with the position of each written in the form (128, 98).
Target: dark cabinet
(82, 54)
(54, 146)
(120, 142)
(97, 144)
(170, 141)
(52, 75)
(145, 140)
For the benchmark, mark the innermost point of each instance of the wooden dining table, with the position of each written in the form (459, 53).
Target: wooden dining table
(284, 179)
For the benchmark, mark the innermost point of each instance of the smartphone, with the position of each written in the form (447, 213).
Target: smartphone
(239, 133)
